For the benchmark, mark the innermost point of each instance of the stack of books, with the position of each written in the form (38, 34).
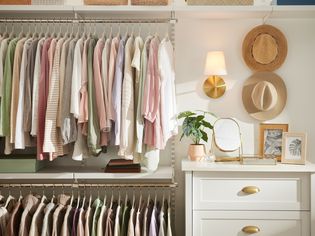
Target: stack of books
(122, 166)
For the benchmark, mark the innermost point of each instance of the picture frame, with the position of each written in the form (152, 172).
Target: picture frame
(294, 148)
(271, 139)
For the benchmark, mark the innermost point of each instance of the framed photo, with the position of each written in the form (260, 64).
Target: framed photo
(293, 148)
(271, 139)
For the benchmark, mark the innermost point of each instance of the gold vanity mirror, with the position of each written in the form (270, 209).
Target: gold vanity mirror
(227, 138)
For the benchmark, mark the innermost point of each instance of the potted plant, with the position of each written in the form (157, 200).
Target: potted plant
(193, 127)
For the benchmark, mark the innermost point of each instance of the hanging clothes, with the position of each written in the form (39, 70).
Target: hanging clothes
(28, 87)
(168, 96)
(30, 215)
(127, 135)
(67, 123)
(105, 80)
(43, 89)
(93, 124)
(52, 143)
(87, 94)
(15, 85)
(35, 92)
(117, 85)
(21, 138)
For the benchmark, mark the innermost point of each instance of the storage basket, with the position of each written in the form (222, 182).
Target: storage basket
(149, 2)
(15, 2)
(220, 2)
(105, 2)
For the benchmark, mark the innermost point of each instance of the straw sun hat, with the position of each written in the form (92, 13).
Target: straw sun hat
(264, 95)
(264, 48)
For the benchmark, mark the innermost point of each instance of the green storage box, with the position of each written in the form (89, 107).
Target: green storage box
(20, 164)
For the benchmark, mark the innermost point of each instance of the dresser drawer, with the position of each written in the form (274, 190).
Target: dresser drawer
(261, 191)
(269, 223)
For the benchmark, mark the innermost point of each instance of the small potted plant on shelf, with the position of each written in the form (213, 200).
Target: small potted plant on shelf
(193, 127)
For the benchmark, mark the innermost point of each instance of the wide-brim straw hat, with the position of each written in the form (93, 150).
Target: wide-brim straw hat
(264, 95)
(264, 48)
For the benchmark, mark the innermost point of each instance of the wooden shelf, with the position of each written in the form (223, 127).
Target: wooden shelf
(244, 12)
(181, 11)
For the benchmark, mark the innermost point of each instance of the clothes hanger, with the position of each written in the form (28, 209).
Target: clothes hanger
(127, 32)
(12, 34)
(166, 34)
(44, 196)
(111, 200)
(104, 33)
(29, 33)
(148, 202)
(78, 201)
(35, 35)
(59, 35)
(21, 196)
(72, 196)
(111, 31)
(83, 201)
(163, 199)
(21, 35)
(133, 199)
(72, 30)
(10, 197)
(139, 30)
(6, 33)
(53, 196)
(140, 201)
(105, 199)
(118, 33)
(47, 34)
(90, 199)
(95, 29)
(155, 197)
(126, 198)
(68, 34)
(156, 29)
(119, 196)
(1, 197)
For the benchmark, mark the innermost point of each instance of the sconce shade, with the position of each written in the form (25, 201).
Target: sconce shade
(215, 63)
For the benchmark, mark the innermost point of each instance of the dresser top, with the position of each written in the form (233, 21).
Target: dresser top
(188, 165)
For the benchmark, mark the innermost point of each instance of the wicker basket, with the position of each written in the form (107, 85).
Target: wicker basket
(149, 2)
(220, 2)
(105, 2)
(15, 2)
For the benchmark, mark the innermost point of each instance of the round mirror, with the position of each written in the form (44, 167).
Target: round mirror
(227, 135)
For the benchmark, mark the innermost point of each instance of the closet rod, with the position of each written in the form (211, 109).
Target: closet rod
(131, 185)
(91, 21)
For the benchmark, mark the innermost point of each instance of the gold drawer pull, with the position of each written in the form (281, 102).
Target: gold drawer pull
(251, 229)
(250, 190)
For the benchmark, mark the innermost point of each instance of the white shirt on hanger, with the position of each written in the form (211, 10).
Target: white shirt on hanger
(127, 134)
(168, 96)
(76, 79)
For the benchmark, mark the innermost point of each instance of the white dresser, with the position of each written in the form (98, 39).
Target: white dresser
(229, 199)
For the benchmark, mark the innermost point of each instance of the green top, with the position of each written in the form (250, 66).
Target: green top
(93, 124)
(97, 204)
(6, 89)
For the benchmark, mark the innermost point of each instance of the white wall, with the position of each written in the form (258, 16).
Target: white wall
(195, 37)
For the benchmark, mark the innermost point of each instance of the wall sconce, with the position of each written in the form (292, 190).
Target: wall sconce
(214, 86)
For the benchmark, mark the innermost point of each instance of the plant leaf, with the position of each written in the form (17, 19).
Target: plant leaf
(207, 124)
(204, 136)
(185, 114)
